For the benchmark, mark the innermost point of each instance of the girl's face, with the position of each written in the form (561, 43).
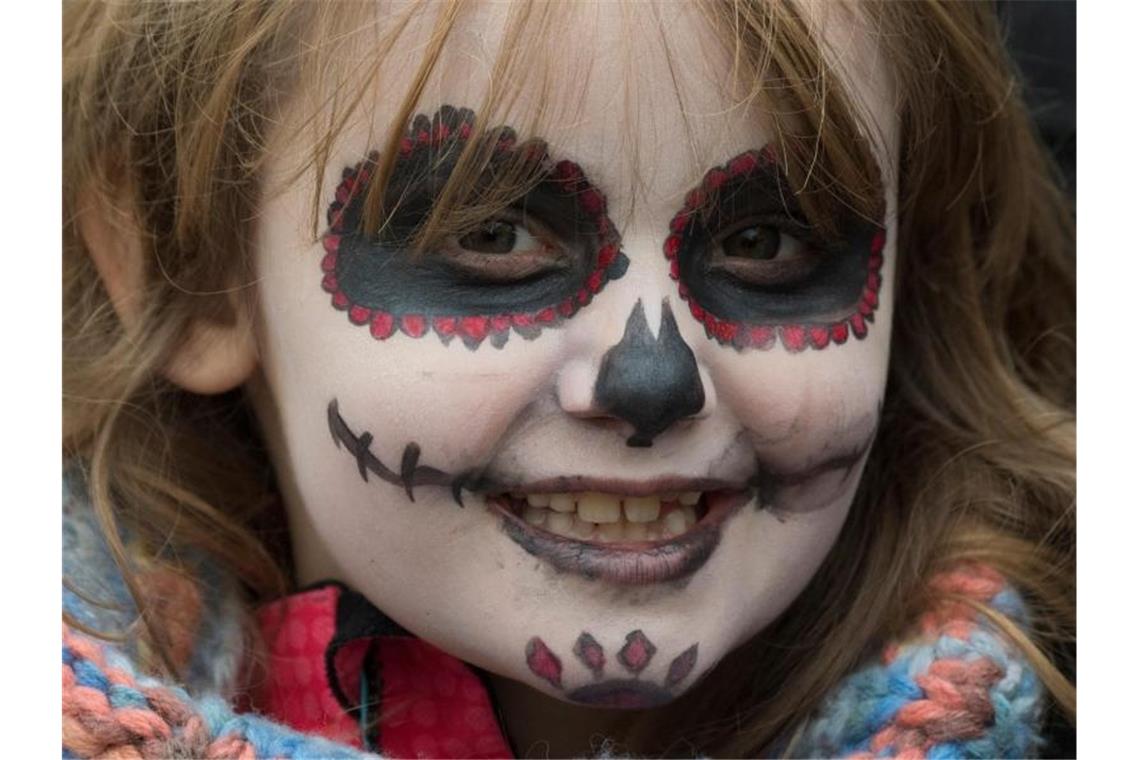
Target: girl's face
(609, 434)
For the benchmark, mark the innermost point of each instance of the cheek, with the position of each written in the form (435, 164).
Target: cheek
(796, 407)
(803, 415)
(801, 408)
(454, 403)
(784, 553)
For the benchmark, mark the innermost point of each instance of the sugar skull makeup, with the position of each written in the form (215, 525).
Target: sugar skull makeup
(753, 269)
(636, 398)
(526, 269)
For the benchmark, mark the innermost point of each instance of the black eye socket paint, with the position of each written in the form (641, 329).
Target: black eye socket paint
(829, 292)
(377, 281)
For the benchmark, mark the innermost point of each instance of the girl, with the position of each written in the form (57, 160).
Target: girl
(664, 379)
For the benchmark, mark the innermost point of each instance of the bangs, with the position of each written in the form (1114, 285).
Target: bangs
(536, 77)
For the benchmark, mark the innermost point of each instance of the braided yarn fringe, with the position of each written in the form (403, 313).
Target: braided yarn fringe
(958, 690)
(109, 712)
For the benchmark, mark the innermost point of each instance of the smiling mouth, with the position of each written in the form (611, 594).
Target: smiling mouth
(623, 532)
(625, 539)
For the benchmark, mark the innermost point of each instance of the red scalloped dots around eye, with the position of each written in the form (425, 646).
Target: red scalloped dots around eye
(793, 337)
(473, 329)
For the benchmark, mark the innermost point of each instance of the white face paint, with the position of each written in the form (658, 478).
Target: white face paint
(768, 442)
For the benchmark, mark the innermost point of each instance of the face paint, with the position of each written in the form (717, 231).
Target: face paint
(753, 270)
(481, 285)
(811, 487)
(411, 473)
(649, 382)
(512, 433)
(634, 561)
(634, 657)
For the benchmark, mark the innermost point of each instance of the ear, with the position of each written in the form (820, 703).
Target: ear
(215, 357)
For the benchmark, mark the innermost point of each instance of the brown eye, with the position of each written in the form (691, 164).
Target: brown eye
(763, 255)
(504, 250)
(752, 243)
(493, 236)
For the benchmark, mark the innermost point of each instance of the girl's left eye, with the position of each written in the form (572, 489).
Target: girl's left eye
(754, 242)
(763, 255)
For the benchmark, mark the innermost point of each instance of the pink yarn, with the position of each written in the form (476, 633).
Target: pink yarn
(165, 728)
(956, 705)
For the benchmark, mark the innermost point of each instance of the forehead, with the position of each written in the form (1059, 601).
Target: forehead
(645, 96)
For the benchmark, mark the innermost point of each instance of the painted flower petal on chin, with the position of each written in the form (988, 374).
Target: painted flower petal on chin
(590, 652)
(544, 663)
(616, 692)
(637, 652)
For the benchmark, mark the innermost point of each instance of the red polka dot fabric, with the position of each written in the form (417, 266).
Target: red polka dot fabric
(432, 704)
(293, 686)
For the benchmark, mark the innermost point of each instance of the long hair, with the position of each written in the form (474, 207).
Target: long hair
(169, 113)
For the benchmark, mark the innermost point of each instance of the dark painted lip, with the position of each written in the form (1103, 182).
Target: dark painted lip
(629, 563)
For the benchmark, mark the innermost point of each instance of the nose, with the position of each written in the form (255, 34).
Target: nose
(649, 381)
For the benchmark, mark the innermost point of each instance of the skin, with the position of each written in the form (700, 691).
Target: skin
(531, 409)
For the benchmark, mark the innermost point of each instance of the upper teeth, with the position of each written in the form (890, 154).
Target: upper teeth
(599, 515)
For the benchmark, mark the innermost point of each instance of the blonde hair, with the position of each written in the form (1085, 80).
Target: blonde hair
(168, 109)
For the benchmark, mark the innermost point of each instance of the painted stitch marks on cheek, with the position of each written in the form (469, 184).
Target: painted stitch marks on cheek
(634, 657)
(411, 472)
(525, 269)
(754, 272)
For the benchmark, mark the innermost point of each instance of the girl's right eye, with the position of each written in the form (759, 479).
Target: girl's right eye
(493, 236)
(503, 250)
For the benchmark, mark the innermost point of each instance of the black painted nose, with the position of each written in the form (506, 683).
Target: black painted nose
(649, 382)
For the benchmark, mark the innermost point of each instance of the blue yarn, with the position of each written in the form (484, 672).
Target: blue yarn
(884, 711)
(984, 747)
(904, 686)
(68, 655)
(270, 740)
(867, 700)
(945, 751)
(216, 714)
(125, 696)
(1010, 603)
(88, 674)
(949, 648)
(267, 738)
